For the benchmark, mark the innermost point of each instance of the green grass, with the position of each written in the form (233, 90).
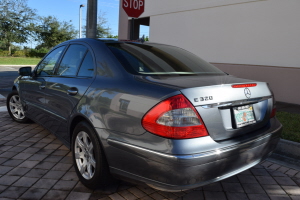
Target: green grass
(19, 61)
(291, 125)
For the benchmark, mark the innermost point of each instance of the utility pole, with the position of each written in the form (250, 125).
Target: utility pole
(80, 19)
(91, 19)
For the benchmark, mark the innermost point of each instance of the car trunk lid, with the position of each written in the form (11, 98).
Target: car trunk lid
(220, 105)
(230, 112)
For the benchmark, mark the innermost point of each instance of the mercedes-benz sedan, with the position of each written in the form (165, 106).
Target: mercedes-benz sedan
(148, 112)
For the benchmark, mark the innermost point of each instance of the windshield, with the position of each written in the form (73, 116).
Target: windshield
(156, 59)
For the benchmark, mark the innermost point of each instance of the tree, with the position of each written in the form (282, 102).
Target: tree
(15, 20)
(103, 29)
(144, 39)
(50, 32)
(112, 36)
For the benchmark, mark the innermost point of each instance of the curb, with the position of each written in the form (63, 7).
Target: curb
(3, 109)
(287, 152)
(17, 65)
(288, 149)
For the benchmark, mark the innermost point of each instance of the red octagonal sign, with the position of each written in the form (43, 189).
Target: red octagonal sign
(133, 8)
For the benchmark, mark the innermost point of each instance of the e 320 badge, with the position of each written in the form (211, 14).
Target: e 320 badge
(207, 98)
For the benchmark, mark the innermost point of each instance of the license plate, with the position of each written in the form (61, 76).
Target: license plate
(244, 115)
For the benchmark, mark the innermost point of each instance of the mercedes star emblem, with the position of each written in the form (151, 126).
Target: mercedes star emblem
(247, 93)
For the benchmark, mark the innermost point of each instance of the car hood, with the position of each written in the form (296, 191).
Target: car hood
(190, 81)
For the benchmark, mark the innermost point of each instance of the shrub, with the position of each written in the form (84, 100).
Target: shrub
(4, 53)
(36, 53)
(19, 53)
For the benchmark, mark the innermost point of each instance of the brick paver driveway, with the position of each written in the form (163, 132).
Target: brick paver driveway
(34, 164)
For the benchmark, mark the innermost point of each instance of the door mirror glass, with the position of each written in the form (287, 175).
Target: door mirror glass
(25, 71)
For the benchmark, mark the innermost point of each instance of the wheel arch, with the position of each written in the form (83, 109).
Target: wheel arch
(15, 87)
(101, 168)
(75, 120)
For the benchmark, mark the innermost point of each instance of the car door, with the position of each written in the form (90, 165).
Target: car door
(72, 78)
(33, 87)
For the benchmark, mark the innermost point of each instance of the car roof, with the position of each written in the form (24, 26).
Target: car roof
(114, 40)
(106, 40)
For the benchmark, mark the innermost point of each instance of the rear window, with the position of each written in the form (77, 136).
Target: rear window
(159, 59)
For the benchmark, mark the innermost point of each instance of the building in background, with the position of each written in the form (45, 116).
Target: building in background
(255, 39)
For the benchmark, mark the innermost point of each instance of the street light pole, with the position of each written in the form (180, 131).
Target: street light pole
(80, 19)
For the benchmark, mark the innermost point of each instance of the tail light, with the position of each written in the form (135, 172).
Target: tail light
(174, 118)
(273, 113)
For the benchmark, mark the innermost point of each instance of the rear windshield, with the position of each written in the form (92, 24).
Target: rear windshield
(152, 59)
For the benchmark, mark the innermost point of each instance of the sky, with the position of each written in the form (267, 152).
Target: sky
(66, 10)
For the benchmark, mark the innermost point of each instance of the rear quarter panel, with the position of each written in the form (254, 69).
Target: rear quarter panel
(120, 104)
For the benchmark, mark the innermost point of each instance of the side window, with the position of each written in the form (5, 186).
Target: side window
(71, 60)
(87, 67)
(45, 68)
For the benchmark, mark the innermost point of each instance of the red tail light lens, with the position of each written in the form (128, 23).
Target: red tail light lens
(273, 113)
(244, 85)
(174, 118)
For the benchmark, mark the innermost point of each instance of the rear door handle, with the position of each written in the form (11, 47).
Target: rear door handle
(72, 91)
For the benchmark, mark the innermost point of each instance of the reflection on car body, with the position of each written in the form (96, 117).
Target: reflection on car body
(148, 112)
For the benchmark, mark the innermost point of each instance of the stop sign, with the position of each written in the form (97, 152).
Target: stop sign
(133, 8)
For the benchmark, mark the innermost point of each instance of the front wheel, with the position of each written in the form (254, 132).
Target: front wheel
(88, 157)
(15, 107)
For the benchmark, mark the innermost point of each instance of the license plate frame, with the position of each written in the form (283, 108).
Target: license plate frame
(243, 115)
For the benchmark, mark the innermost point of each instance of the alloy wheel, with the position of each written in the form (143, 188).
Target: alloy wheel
(16, 107)
(84, 155)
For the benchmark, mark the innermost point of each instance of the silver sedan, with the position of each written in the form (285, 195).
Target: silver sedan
(147, 112)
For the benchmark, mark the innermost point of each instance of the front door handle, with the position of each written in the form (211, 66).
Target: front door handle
(72, 91)
(42, 87)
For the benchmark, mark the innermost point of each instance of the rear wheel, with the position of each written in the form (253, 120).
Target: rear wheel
(15, 107)
(88, 157)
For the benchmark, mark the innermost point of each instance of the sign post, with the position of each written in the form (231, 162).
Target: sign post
(134, 9)
(132, 29)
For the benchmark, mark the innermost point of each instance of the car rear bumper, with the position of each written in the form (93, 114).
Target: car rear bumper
(182, 172)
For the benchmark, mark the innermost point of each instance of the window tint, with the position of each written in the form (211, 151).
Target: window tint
(71, 60)
(46, 67)
(159, 59)
(87, 67)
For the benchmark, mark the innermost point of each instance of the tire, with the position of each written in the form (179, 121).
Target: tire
(15, 107)
(88, 157)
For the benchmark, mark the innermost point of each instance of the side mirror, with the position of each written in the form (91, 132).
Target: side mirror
(25, 71)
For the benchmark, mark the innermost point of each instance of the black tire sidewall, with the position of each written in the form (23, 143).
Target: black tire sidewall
(13, 93)
(101, 175)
